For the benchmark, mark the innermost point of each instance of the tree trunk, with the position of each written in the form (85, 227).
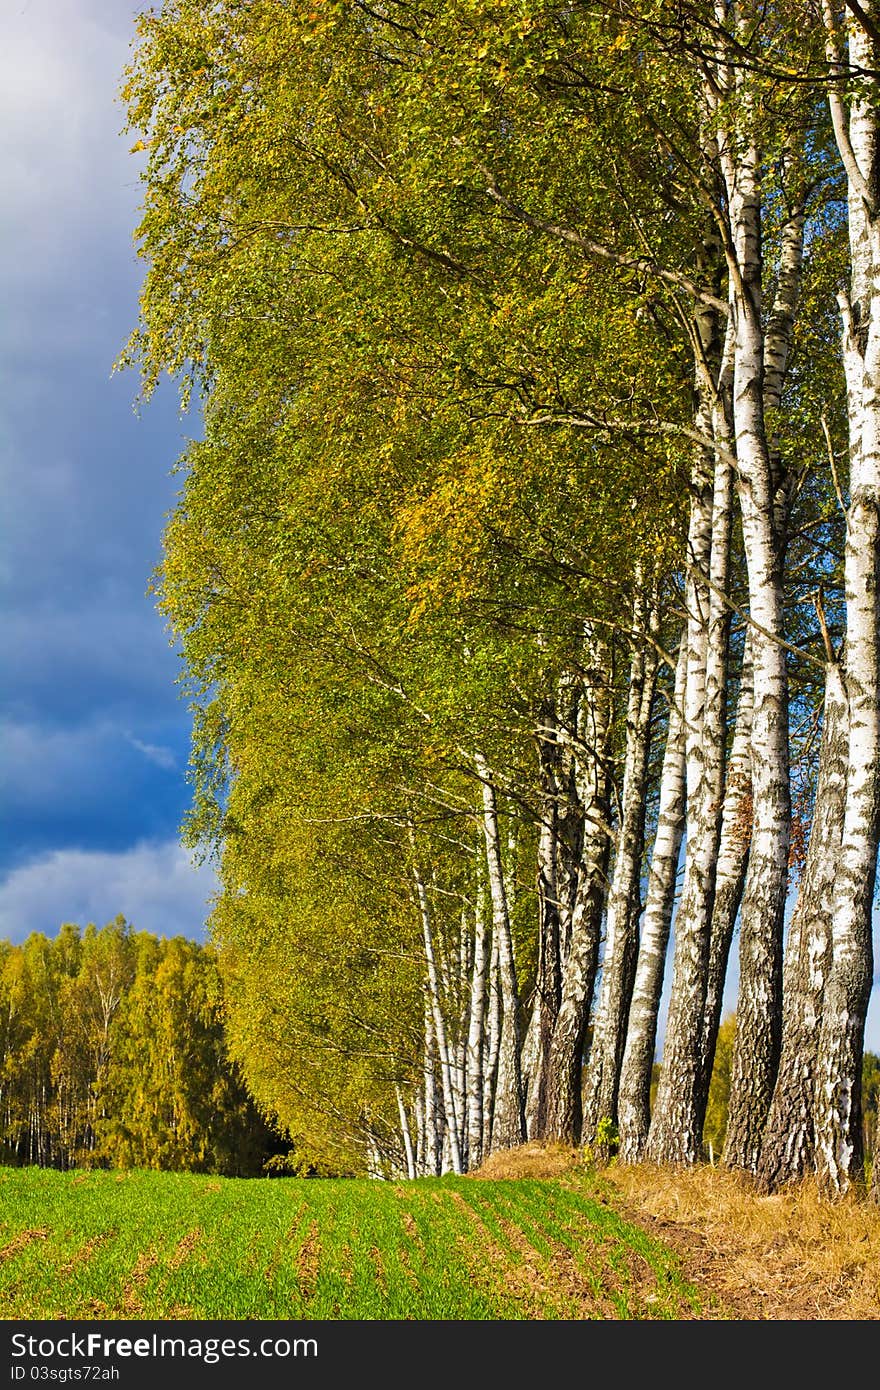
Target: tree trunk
(788, 1151)
(508, 1120)
(839, 1141)
(405, 1135)
(624, 906)
(451, 1134)
(675, 1134)
(476, 1038)
(634, 1102)
(756, 1049)
(433, 1141)
(493, 1046)
(730, 876)
(563, 1104)
(548, 975)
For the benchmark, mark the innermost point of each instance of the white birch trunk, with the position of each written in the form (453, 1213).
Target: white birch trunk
(433, 1119)
(451, 1130)
(730, 875)
(405, 1134)
(624, 906)
(638, 1057)
(476, 1038)
(787, 1154)
(508, 1121)
(548, 975)
(493, 1046)
(563, 1103)
(675, 1133)
(756, 1049)
(839, 1139)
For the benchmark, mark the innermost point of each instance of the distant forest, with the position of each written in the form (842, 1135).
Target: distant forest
(112, 1054)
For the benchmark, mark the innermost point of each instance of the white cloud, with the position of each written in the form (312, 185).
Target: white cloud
(155, 753)
(46, 770)
(66, 166)
(155, 886)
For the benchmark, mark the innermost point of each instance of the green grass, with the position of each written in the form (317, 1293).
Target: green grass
(171, 1245)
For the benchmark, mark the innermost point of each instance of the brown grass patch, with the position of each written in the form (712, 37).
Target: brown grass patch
(531, 1160)
(581, 1301)
(271, 1269)
(412, 1230)
(404, 1255)
(379, 1267)
(85, 1252)
(131, 1303)
(307, 1260)
(21, 1242)
(185, 1248)
(345, 1270)
(791, 1256)
(638, 1286)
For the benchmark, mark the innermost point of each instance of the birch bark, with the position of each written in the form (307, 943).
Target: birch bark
(551, 879)
(756, 1049)
(476, 1038)
(788, 1149)
(674, 1136)
(451, 1130)
(624, 906)
(493, 1046)
(508, 1119)
(563, 1103)
(405, 1134)
(433, 1141)
(730, 876)
(839, 1141)
(638, 1056)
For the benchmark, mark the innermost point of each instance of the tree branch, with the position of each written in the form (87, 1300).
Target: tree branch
(597, 249)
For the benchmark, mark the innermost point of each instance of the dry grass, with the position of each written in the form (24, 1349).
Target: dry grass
(530, 1161)
(794, 1255)
(791, 1256)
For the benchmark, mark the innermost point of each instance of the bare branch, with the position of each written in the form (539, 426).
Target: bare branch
(830, 448)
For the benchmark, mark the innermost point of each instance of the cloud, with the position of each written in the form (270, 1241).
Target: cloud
(155, 886)
(156, 753)
(43, 765)
(66, 167)
(95, 786)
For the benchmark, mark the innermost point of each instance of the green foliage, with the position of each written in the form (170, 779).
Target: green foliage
(382, 559)
(606, 1143)
(112, 1052)
(715, 1125)
(431, 276)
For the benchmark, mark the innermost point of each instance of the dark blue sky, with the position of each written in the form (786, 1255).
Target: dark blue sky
(93, 734)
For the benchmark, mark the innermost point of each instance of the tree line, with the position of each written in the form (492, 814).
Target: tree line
(526, 569)
(112, 1054)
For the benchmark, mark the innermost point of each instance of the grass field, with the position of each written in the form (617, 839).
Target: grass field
(165, 1245)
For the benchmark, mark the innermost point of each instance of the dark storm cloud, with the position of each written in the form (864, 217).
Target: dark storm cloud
(93, 735)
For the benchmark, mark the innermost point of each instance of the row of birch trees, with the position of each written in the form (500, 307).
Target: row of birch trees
(525, 571)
